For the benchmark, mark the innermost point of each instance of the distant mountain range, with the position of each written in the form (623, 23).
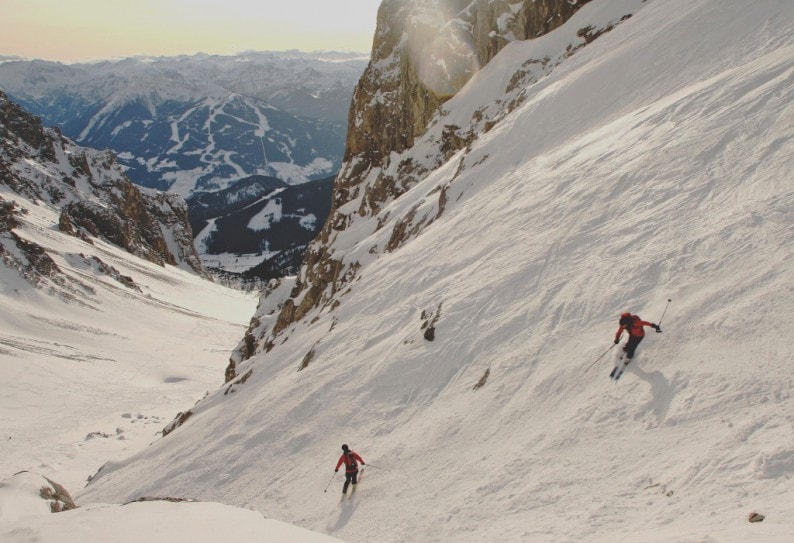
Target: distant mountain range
(199, 122)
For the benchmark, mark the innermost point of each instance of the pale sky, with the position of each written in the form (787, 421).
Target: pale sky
(78, 30)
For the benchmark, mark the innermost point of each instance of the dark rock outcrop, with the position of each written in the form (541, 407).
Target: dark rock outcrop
(58, 497)
(423, 54)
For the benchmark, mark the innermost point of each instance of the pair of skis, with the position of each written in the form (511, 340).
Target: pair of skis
(620, 366)
(353, 487)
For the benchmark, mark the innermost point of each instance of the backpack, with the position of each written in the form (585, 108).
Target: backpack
(350, 461)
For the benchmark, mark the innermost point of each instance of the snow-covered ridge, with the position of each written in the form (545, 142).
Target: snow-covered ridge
(146, 520)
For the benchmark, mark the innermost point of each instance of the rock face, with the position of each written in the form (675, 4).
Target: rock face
(57, 496)
(93, 195)
(32, 262)
(424, 52)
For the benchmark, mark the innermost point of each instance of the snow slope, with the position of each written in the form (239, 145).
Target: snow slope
(83, 378)
(139, 521)
(160, 521)
(654, 164)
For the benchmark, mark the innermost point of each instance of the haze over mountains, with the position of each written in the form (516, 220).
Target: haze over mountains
(632, 152)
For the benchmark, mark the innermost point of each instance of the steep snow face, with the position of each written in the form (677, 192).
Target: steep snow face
(653, 164)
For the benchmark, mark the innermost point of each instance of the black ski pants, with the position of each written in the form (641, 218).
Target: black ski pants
(631, 345)
(350, 477)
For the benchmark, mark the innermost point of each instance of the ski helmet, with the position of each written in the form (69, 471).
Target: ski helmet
(344, 448)
(626, 319)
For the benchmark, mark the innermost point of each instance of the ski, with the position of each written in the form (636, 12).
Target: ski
(621, 370)
(617, 371)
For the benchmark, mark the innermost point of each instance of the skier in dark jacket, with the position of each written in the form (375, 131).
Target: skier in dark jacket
(634, 326)
(349, 458)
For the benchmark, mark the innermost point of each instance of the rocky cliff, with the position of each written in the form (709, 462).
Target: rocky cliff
(424, 53)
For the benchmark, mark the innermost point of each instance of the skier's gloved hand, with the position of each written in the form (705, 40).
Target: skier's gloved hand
(656, 327)
(617, 341)
(336, 471)
(363, 463)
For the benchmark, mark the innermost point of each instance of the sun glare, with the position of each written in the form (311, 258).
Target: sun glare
(448, 61)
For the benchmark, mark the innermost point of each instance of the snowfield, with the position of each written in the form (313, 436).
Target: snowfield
(138, 521)
(655, 163)
(100, 374)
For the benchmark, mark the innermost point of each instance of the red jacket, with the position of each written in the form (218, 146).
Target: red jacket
(350, 465)
(635, 329)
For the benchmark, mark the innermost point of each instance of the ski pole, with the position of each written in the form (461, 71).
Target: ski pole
(376, 467)
(329, 482)
(659, 324)
(599, 358)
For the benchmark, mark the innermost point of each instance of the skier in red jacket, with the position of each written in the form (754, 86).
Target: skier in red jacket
(349, 457)
(634, 326)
